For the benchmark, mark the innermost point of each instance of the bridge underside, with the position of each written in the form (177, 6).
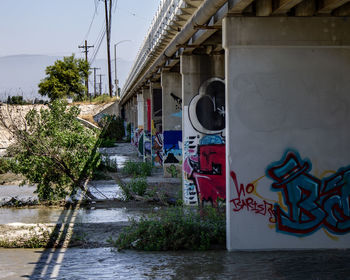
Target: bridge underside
(248, 101)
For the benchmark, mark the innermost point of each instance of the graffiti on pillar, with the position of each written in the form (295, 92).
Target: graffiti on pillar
(172, 152)
(246, 198)
(137, 140)
(157, 149)
(206, 168)
(140, 147)
(156, 128)
(177, 100)
(132, 133)
(207, 109)
(310, 203)
(204, 144)
(147, 140)
(178, 106)
(172, 146)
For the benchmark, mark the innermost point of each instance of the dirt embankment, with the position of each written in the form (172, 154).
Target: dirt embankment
(16, 114)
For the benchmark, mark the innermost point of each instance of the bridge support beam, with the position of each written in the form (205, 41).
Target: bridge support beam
(138, 134)
(157, 126)
(203, 96)
(147, 111)
(172, 123)
(288, 152)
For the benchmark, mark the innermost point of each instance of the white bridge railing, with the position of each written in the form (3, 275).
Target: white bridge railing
(166, 13)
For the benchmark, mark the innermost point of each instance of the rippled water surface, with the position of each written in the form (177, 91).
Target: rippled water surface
(105, 263)
(42, 215)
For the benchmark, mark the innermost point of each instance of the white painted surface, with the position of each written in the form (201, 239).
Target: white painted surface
(281, 98)
(140, 113)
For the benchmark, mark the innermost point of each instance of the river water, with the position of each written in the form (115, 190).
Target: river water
(107, 263)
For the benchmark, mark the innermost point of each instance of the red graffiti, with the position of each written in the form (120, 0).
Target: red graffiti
(244, 201)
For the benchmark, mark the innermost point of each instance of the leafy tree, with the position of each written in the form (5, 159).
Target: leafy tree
(55, 151)
(113, 126)
(65, 79)
(16, 100)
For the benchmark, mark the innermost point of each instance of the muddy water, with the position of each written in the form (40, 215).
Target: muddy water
(105, 189)
(105, 263)
(44, 215)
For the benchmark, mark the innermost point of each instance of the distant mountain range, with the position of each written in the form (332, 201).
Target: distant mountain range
(21, 74)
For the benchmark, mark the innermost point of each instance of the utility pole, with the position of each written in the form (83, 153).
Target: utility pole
(86, 50)
(108, 33)
(100, 75)
(95, 68)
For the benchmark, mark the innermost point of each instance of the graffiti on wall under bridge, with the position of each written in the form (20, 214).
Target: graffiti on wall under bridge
(306, 203)
(172, 153)
(204, 163)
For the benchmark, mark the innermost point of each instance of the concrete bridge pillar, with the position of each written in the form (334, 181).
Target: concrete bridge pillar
(147, 116)
(288, 152)
(172, 123)
(203, 106)
(138, 138)
(128, 116)
(133, 118)
(157, 125)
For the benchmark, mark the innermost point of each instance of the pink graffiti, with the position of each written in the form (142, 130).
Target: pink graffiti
(244, 200)
(207, 170)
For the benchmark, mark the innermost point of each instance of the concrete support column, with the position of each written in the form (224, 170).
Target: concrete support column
(133, 112)
(128, 117)
(138, 137)
(157, 125)
(147, 143)
(203, 122)
(172, 123)
(288, 152)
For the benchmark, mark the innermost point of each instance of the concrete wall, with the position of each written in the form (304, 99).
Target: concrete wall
(157, 125)
(288, 152)
(147, 142)
(203, 128)
(112, 109)
(172, 124)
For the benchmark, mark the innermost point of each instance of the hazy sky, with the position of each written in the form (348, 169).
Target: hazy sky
(57, 27)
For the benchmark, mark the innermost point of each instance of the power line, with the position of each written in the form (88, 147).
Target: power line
(92, 21)
(98, 44)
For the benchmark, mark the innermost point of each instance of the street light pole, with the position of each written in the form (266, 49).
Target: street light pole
(115, 66)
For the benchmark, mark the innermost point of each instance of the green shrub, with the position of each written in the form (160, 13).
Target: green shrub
(175, 229)
(113, 127)
(128, 131)
(16, 100)
(103, 98)
(136, 186)
(55, 151)
(108, 164)
(107, 142)
(4, 165)
(137, 168)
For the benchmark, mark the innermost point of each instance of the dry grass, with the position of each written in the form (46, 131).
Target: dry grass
(90, 119)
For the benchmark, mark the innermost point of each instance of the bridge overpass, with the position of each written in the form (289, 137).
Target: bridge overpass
(248, 101)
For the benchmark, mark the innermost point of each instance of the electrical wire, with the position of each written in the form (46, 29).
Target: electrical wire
(92, 21)
(98, 44)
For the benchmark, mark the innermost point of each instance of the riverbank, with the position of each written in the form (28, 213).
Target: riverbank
(17, 113)
(94, 223)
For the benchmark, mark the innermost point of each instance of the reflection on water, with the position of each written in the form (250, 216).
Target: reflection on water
(105, 190)
(42, 215)
(105, 263)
